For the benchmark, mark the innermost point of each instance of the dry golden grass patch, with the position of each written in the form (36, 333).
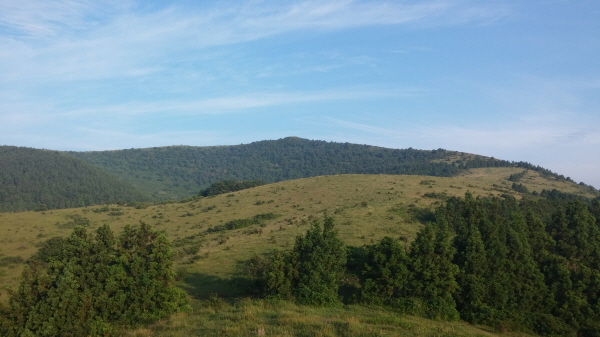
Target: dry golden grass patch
(365, 207)
(266, 318)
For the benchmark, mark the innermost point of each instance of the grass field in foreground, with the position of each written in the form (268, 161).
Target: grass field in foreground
(365, 208)
(247, 317)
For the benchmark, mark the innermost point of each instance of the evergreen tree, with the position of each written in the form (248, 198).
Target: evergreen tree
(312, 271)
(385, 275)
(279, 276)
(146, 258)
(434, 274)
(320, 259)
(528, 292)
(93, 284)
(472, 262)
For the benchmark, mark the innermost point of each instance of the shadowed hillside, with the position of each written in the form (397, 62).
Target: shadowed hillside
(41, 179)
(168, 173)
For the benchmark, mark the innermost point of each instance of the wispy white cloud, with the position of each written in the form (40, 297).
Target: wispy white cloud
(29, 113)
(72, 40)
(108, 64)
(49, 19)
(233, 22)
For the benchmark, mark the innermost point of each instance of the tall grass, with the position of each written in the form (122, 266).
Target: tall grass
(247, 317)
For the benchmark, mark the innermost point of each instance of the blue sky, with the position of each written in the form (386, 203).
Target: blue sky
(516, 80)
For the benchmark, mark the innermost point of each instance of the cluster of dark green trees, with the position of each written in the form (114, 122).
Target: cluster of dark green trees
(312, 271)
(532, 265)
(88, 285)
(228, 186)
(179, 171)
(39, 179)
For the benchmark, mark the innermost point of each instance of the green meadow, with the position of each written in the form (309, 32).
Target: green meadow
(211, 252)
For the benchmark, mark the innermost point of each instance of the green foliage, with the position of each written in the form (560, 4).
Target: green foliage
(433, 273)
(243, 223)
(95, 283)
(520, 188)
(523, 269)
(385, 273)
(34, 178)
(312, 271)
(51, 249)
(516, 177)
(228, 186)
(496, 262)
(39, 180)
(180, 171)
(76, 220)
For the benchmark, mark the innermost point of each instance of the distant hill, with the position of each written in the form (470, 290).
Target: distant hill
(38, 179)
(180, 171)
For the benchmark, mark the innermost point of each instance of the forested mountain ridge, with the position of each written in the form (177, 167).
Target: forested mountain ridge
(176, 172)
(37, 179)
(40, 179)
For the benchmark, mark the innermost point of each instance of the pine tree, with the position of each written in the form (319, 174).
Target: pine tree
(91, 284)
(279, 276)
(472, 261)
(320, 259)
(434, 274)
(312, 271)
(528, 291)
(385, 274)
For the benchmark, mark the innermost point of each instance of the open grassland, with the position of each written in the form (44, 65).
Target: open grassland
(248, 317)
(208, 260)
(365, 207)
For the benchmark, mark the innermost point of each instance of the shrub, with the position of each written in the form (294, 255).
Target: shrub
(96, 283)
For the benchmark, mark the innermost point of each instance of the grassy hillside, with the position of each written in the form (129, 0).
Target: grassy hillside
(32, 178)
(40, 179)
(365, 207)
(180, 171)
(262, 318)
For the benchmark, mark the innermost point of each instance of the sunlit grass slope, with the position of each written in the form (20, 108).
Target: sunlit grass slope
(264, 318)
(365, 207)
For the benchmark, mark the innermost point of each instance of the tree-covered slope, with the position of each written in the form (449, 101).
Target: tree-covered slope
(180, 171)
(32, 178)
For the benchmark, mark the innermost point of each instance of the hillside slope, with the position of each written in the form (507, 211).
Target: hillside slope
(367, 208)
(175, 172)
(32, 178)
(209, 255)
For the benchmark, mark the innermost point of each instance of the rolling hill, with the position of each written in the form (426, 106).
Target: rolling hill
(209, 254)
(41, 179)
(175, 172)
(32, 178)
(215, 238)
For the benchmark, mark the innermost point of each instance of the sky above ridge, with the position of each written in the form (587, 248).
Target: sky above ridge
(516, 80)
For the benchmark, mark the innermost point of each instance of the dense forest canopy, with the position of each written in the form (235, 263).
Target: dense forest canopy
(180, 171)
(40, 179)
